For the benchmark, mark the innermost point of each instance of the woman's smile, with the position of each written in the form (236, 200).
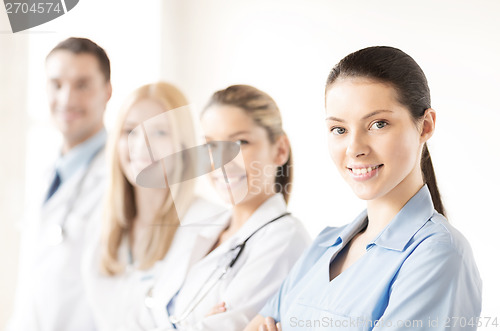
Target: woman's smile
(362, 173)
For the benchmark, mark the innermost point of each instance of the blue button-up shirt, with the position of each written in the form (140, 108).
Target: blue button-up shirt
(417, 274)
(80, 156)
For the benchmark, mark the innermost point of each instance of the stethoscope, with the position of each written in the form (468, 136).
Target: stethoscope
(225, 264)
(56, 231)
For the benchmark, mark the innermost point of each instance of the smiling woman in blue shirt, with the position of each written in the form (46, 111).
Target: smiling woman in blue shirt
(400, 264)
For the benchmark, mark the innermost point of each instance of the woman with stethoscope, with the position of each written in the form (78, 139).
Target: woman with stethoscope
(140, 234)
(247, 259)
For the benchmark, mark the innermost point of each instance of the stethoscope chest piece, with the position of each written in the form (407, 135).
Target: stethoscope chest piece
(55, 234)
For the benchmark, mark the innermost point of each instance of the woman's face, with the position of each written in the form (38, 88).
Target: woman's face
(135, 153)
(253, 176)
(372, 139)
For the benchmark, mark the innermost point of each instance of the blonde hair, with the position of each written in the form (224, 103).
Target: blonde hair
(120, 208)
(265, 113)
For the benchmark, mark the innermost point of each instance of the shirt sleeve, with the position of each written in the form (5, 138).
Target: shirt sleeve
(270, 258)
(437, 288)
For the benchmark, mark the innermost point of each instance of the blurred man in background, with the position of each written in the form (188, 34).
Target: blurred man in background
(50, 293)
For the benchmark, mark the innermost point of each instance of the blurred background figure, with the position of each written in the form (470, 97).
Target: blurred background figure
(50, 290)
(247, 258)
(141, 233)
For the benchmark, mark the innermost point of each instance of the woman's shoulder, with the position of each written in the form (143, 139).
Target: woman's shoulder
(201, 211)
(439, 233)
(289, 222)
(287, 229)
(440, 247)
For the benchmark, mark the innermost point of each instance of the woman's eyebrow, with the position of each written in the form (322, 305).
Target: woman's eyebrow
(231, 135)
(336, 119)
(238, 133)
(376, 112)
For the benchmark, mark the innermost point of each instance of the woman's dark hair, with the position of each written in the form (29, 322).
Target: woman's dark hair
(265, 113)
(392, 66)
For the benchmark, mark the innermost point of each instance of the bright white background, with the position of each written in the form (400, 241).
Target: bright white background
(285, 48)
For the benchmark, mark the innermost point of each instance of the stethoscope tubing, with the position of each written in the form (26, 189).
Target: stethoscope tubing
(196, 301)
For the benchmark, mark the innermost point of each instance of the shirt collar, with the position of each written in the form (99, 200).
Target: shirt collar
(396, 235)
(415, 213)
(273, 207)
(80, 155)
(347, 232)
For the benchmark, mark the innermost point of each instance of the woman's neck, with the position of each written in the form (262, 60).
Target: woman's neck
(241, 213)
(382, 210)
(148, 202)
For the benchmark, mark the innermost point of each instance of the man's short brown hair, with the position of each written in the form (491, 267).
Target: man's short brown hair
(82, 46)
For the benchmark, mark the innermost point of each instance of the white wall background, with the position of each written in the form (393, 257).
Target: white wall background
(287, 48)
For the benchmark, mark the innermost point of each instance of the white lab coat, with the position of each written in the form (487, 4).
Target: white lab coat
(116, 301)
(268, 257)
(50, 294)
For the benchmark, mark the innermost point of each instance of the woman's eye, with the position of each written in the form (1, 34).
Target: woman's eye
(82, 85)
(55, 85)
(337, 130)
(378, 125)
(160, 133)
(213, 145)
(241, 142)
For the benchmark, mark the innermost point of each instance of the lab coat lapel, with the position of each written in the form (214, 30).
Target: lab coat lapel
(66, 193)
(62, 196)
(191, 244)
(270, 209)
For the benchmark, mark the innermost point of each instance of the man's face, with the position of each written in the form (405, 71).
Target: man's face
(77, 93)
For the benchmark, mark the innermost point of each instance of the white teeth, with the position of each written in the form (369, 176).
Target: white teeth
(363, 171)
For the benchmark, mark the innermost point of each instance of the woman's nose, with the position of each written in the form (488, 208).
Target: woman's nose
(358, 145)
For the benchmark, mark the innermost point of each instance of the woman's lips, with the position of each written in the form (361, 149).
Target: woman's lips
(361, 173)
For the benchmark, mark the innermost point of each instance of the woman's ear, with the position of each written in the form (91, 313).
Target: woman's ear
(109, 91)
(282, 150)
(428, 125)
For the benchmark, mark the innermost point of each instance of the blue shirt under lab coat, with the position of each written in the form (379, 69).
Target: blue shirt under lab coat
(418, 273)
(80, 156)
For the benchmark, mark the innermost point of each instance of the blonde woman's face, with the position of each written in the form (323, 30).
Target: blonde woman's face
(145, 137)
(252, 175)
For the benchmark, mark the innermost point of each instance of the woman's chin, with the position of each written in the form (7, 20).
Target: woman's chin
(363, 192)
(232, 194)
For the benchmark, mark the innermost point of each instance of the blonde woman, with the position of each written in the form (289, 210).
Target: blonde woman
(140, 232)
(246, 259)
